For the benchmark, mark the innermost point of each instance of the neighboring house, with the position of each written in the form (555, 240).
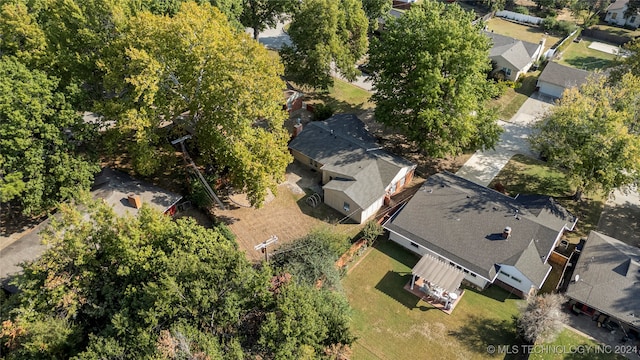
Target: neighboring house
(491, 237)
(606, 280)
(514, 57)
(117, 189)
(358, 177)
(615, 15)
(556, 78)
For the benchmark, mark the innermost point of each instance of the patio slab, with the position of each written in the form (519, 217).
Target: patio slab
(417, 292)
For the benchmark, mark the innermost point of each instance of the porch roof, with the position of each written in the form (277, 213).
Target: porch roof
(438, 273)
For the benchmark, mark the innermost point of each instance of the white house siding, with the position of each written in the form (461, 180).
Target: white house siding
(616, 17)
(477, 280)
(337, 199)
(399, 180)
(508, 273)
(371, 210)
(502, 64)
(550, 89)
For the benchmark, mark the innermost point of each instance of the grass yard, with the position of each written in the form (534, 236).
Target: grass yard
(344, 97)
(524, 175)
(570, 345)
(522, 32)
(391, 323)
(578, 55)
(615, 30)
(509, 103)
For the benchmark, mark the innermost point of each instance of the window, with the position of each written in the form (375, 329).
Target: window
(614, 16)
(346, 206)
(516, 279)
(392, 190)
(503, 273)
(311, 162)
(414, 245)
(507, 71)
(632, 20)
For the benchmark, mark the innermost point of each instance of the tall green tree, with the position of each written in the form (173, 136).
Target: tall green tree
(588, 10)
(594, 134)
(20, 35)
(429, 68)
(39, 133)
(227, 87)
(632, 8)
(376, 9)
(627, 64)
(325, 33)
(152, 287)
(260, 14)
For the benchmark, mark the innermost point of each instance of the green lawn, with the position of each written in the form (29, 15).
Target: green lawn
(521, 32)
(524, 175)
(344, 97)
(617, 30)
(391, 323)
(509, 103)
(570, 345)
(578, 55)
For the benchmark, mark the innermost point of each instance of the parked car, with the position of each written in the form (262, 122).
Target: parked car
(580, 245)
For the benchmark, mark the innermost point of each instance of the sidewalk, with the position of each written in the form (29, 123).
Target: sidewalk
(484, 165)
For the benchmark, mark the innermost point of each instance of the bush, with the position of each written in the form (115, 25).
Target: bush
(371, 232)
(323, 111)
(566, 27)
(549, 23)
(521, 10)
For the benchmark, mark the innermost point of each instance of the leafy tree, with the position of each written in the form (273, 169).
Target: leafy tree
(542, 318)
(627, 64)
(152, 287)
(593, 133)
(260, 14)
(495, 5)
(197, 71)
(431, 82)
(371, 231)
(632, 8)
(588, 10)
(20, 34)
(39, 161)
(313, 258)
(325, 33)
(376, 9)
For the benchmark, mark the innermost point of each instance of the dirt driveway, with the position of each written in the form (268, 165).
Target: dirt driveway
(286, 215)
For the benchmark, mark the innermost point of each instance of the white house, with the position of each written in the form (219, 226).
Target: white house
(492, 238)
(512, 56)
(615, 15)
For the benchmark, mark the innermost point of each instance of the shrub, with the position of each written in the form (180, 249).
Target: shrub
(371, 231)
(323, 111)
(522, 10)
(549, 23)
(565, 27)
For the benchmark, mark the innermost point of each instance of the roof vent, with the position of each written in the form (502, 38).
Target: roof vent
(506, 233)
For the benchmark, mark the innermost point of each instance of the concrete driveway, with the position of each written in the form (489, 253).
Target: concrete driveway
(484, 165)
(273, 38)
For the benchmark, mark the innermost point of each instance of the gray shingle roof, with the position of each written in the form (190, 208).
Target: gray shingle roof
(344, 146)
(463, 221)
(517, 52)
(564, 76)
(609, 278)
(618, 5)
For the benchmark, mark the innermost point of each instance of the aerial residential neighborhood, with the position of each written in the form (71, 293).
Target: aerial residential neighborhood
(319, 179)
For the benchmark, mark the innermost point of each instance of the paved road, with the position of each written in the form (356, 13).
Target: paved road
(483, 166)
(272, 38)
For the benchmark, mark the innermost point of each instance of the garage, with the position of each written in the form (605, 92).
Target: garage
(556, 78)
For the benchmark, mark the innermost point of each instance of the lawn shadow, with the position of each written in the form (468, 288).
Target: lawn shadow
(392, 285)
(493, 292)
(479, 333)
(589, 63)
(396, 252)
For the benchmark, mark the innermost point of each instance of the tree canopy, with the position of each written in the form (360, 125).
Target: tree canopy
(542, 318)
(376, 9)
(594, 133)
(429, 69)
(195, 70)
(152, 287)
(627, 64)
(325, 33)
(39, 133)
(260, 14)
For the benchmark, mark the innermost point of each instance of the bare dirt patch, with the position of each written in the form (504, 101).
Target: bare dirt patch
(287, 215)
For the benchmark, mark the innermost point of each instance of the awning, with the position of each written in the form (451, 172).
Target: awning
(438, 273)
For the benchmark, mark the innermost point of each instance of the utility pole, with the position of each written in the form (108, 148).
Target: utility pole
(263, 246)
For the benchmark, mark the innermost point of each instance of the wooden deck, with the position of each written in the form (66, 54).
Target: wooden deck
(431, 301)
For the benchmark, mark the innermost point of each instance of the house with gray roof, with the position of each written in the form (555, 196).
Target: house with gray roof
(357, 175)
(491, 237)
(117, 189)
(556, 78)
(615, 15)
(512, 56)
(607, 279)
